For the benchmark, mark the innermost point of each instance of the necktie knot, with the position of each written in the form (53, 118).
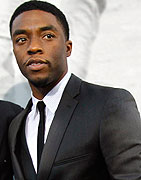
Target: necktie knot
(41, 106)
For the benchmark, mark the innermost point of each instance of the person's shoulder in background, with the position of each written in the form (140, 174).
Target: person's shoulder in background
(8, 111)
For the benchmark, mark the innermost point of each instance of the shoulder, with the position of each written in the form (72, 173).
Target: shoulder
(9, 105)
(105, 92)
(95, 93)
(8, 110)
(108, 92)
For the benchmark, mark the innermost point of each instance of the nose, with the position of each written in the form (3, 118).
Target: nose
(35, 47)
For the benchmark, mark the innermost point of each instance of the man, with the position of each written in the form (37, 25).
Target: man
(87, 13)
(8, 111)
(90, 132)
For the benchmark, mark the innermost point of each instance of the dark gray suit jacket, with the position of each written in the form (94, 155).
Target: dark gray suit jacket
(95, 135)
(8, 111)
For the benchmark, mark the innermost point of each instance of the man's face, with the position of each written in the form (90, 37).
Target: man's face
(40, 47)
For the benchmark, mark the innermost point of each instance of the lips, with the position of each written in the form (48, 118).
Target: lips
(36, 64)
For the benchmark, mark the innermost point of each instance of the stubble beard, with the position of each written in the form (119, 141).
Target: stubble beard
(41, 83)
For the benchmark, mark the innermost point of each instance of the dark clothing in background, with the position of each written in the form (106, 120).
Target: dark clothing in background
(8, 111)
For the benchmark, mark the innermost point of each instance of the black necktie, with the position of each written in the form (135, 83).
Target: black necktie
(41, 130)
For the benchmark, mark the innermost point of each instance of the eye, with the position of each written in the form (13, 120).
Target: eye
(20, 40)
(48, 36)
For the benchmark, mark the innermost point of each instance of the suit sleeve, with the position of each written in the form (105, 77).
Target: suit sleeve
(120, 137)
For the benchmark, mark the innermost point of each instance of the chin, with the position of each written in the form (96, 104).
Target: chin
(39, 83)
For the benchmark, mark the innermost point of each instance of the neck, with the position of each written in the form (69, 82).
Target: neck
(41, 92)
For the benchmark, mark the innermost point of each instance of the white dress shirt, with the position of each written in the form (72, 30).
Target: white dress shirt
(51, 101)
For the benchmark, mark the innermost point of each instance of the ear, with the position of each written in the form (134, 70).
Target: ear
(13, 51)
(68, 48)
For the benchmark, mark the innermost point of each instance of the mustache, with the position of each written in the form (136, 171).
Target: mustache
(36, 60)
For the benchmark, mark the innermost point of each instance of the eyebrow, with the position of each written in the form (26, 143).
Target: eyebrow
(45, 28)
(51, 27)
(19, 31)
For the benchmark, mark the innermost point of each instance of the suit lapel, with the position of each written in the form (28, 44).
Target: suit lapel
(13, 134)
(58, 127)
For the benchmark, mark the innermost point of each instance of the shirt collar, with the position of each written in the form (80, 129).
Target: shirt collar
(53, 97)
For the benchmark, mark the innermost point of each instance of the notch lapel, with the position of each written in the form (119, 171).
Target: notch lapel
(59, 125)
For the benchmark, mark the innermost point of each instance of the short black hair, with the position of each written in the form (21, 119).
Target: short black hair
(44, 6)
